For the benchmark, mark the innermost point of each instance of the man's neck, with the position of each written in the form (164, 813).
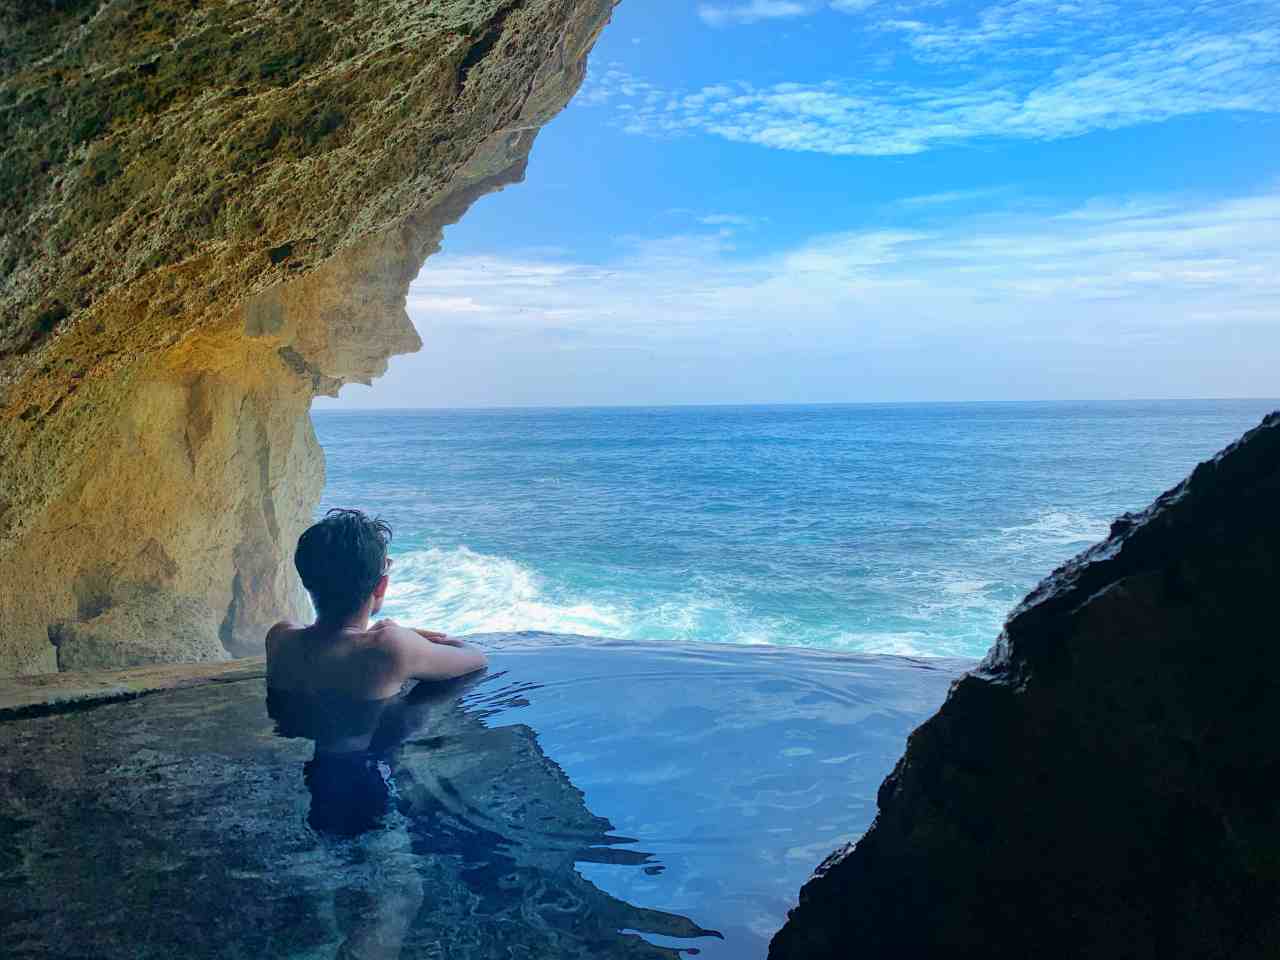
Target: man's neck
(357, 621)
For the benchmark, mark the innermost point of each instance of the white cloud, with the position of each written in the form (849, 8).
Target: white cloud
(729, 220)
(950, 198)
(1108, 273)
(1052, 28)
(1071, 68)
(755, 11)
(752, 11)
(612, 84)
(1123, 297)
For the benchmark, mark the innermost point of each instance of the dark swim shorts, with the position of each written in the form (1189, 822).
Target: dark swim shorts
(350, 792)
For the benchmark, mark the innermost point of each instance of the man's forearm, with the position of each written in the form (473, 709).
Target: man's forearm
(436, 637)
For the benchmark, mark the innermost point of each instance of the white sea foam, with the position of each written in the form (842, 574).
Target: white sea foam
(1058, 528)
(461, 591)
(948, 596)
(965, 588)
(901, 644)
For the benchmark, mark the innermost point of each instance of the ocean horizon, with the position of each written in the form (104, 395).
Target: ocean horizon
(326, 408)
(881, 528)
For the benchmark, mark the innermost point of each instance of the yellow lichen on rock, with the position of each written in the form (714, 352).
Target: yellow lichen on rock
(207, 217)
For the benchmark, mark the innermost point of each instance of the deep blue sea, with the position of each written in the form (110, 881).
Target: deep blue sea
(908, 529)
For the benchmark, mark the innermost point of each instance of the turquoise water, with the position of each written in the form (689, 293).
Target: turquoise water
(908, 529)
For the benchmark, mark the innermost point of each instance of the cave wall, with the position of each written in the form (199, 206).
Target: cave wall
(1104, 785)
(209, 214)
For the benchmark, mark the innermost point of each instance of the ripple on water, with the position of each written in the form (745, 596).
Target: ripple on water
(581, 794)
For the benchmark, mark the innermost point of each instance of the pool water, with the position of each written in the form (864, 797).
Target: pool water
(583, 798)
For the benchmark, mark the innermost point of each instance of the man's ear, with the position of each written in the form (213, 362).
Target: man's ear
(380, 590)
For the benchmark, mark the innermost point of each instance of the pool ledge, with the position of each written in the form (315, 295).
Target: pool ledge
(60, 692)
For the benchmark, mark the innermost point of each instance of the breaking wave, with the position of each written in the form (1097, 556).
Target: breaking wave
(461, 591)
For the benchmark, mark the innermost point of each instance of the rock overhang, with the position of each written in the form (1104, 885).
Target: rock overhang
(211, 214)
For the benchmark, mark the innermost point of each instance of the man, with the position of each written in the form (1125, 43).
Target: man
(343, 563)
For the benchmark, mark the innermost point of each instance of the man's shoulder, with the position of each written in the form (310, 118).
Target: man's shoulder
(280, 632)
(389, 635)
(403, 645)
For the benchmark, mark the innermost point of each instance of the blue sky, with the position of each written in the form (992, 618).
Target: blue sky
(871, 200)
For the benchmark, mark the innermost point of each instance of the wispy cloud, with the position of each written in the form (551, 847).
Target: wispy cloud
(755, 11)
(722, 15)
(951, 198)
(729, 220)
(1037, 28)
(1024, 70)
(1106, 273)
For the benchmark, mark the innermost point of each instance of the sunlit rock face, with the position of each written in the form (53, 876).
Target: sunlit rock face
(209, 213)
(1104, 786)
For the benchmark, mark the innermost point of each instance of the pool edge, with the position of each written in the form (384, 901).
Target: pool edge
(43, 694)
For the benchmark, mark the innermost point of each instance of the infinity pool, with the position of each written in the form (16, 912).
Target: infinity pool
(582, 799)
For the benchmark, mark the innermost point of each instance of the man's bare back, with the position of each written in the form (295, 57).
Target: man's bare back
(343, 563)
(368, 663)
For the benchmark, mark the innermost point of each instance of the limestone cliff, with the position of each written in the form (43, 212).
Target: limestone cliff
(209, 213)
(1104, 786)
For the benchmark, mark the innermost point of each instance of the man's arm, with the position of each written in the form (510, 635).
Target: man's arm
(274, 636)
(420, 658)
(436, 637)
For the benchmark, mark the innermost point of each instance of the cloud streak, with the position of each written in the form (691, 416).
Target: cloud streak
(1025, 70)
(1104, 273)
(754, 11)
(729, 220)
(1122, 297)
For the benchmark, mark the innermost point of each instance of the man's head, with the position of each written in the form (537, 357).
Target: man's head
(343, 563)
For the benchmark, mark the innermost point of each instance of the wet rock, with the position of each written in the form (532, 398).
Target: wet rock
(50, 693)
(1104, 785)
(208, 215)
(147, 627)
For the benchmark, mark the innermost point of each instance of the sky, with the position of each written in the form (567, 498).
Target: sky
(817, 201)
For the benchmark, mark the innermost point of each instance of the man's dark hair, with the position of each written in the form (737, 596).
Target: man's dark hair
(341, 559)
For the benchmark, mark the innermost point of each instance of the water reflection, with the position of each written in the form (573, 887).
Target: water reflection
(182, 825)
(457, 834)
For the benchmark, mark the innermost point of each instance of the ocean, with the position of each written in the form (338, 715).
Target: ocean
(890, 528)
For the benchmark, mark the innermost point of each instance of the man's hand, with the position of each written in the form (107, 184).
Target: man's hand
(437, 637)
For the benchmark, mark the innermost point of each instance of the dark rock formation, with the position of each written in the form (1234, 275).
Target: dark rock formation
(209, 213)
(1105, 784)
